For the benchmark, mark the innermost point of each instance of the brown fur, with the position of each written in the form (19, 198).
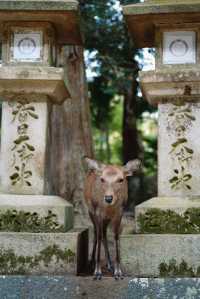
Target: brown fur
(105, 182)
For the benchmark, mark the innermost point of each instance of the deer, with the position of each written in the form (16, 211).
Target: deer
(106, 194)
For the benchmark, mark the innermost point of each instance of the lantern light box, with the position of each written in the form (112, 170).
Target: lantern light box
(179, 47)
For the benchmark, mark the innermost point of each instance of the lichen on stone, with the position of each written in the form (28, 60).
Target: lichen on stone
(21, 221)
(10, 263)
(174, 270)
(159, 221)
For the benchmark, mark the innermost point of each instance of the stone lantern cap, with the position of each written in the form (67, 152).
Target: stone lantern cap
(142, 18)
(171, 86)
(63, 14)
(36, 83)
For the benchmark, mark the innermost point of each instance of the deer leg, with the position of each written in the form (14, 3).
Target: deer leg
(117, 271)
(98, 272)
(93, 255)
(105, 243)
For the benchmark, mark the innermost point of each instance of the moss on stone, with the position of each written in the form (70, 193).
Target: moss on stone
(21, 221)
(159, 221)
(181, 270)
(10, 263)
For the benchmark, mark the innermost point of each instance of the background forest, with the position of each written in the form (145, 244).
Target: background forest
(124, 125)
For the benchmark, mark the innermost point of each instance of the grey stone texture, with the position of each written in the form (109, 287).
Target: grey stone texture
(68, 287)
(40, 204)
(142, 255)
(176, 204)
(26, 80)
(39, 247)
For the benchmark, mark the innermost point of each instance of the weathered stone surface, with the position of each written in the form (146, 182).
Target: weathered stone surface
(63, 14)
(171, 85)
(70, 287)
(142, 255)
(178, 148)
(180, 288)
(141, 18)
(33, 82)
(178, 205)
(44, 253)
(24, 139)
(41, 205)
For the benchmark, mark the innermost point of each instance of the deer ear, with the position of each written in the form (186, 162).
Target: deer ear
(93, 164)
(132, 166)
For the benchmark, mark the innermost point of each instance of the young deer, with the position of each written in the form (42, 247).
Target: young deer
(106, 193)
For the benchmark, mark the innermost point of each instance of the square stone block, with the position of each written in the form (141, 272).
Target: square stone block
(161, 255)
(44, 253)
(176, 204)
(43, 205)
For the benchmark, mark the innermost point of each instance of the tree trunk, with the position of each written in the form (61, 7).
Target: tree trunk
(70, 134)
(131, 147)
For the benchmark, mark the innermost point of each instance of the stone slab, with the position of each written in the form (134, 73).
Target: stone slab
(63, 14)
(178, 150)
(176, 204)
(34, 82)
(41, 205)
(142, 255)
(23, 147)
(44, 253)
(70, 287)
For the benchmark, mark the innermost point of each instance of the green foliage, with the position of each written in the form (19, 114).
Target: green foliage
(10, 263)
(116, 71)
(174, 270)
(20, 221)
(156, 221)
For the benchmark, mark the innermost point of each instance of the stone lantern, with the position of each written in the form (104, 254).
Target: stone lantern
(173, 29)
(31, 82)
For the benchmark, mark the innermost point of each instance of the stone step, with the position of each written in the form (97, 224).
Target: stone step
(44, 253)
(71, 287)
(168, 215)
(154, 255)
(35, 213)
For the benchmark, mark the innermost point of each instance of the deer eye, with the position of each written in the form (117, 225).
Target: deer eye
(120, 181)
(102, 180)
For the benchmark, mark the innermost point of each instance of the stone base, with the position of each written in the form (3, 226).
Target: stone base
(41, 205)
(176, 204)
(44, 253)
(161, 255)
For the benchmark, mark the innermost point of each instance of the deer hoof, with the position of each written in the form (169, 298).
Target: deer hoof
(97, 276)
(118, 275)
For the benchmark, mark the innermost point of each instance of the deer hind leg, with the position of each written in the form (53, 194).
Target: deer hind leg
(98, 272)
(93, 255)
(117, 269)
(105, 243)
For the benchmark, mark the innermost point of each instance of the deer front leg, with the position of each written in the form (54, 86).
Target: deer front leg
(98, 272)
(105, 243)
(117, 270)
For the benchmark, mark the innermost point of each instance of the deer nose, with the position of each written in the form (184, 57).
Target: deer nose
(108, 199)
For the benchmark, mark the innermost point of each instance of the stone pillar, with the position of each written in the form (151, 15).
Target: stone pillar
(179, 150)
(23, 146)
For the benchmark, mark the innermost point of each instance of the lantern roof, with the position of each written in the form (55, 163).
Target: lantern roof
(142, 18)
(63, 14)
